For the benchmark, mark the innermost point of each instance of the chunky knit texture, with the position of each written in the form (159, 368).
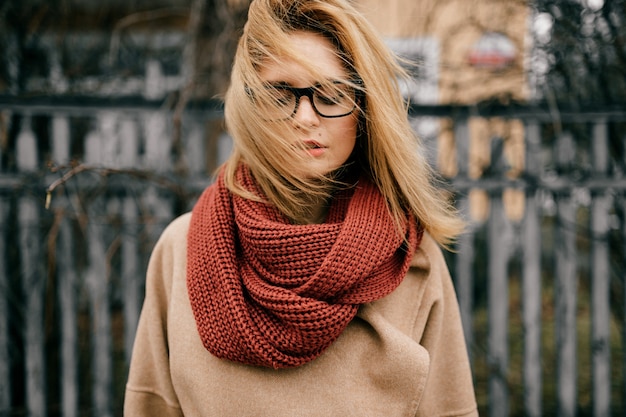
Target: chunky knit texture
(269, 293)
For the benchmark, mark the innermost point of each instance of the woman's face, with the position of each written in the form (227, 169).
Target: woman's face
(326, 143)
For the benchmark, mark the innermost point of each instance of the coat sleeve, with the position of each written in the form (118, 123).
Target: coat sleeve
(449, 390)
(149, 390)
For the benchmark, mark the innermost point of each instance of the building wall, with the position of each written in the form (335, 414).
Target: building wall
(451, 34)
(456, 26)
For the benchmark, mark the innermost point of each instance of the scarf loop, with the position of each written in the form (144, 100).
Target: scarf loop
(269, 293)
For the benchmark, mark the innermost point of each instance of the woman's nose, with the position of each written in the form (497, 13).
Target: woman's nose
(306, 114)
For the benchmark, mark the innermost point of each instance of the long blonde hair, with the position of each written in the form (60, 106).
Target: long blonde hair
(387, 148)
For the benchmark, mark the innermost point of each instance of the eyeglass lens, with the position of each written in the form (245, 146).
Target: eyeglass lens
(334, 100)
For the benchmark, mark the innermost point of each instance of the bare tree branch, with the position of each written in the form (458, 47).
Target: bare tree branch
(140, 17)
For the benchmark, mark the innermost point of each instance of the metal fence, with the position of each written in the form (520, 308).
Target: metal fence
(539, 275)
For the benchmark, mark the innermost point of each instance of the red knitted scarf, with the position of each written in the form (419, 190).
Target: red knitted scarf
(266, 292)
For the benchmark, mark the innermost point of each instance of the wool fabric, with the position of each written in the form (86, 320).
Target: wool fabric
(270, 293)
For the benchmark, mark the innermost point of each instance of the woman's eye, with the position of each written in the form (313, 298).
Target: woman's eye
(330, 99)
(281, 97)
(282, 101)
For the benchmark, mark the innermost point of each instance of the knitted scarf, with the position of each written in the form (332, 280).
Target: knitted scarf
(270, 293)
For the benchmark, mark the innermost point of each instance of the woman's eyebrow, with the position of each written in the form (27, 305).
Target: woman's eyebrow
(278, 83)
(328, 80)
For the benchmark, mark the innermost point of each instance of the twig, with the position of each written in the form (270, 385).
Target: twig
(72, 172)
(104, 172)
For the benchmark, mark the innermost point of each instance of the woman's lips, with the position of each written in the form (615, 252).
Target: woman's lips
(314, 148)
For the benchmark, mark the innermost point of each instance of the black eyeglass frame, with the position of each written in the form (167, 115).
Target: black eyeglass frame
(309, 92)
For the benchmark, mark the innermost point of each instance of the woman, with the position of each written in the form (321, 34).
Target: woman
(308, 280)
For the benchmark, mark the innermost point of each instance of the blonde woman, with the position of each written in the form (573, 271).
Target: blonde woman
(308, 279)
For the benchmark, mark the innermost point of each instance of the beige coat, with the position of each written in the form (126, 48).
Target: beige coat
(403, 355)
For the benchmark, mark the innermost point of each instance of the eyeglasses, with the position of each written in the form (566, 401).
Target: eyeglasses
(332, 100)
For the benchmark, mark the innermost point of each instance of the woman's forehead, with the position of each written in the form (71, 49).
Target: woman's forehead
(319, 59)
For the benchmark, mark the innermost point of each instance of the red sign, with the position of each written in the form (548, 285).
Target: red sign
(492, 51)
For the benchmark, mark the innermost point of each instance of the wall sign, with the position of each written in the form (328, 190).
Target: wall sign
(494, 51)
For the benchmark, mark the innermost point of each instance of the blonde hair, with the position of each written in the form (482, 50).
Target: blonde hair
(387, 148)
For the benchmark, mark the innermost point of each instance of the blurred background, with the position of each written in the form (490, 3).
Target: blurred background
(111, 125)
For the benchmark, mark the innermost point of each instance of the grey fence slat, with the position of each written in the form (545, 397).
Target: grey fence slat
(566, 287)
(67, 280)
(97, 281)
(26, 152)
(623, 205)
(498, 299)
(33, 284)
(131, 275)
(600, 284)
(97, 151)
(93, 152)
(109, 138)
(464, 277)
(195, 144)
(531, 284)
(157, 156)
(32, 277)
(464, 282)
(157, 145)
(129, 143)
(60, 139)
(5, 377)
(66, 270)
(600, 311)
(6, 115)
(462, 143)
(565, 320)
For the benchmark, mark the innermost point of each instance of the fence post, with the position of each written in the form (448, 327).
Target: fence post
(566, 287)
(5, 124)
(531, 284)
(600, 280)
(97, 281)
(60, 139)
(157, 157)
(66, 276)
(131, 274)
(464, 282)
(5, 373)
(623, 203)
(500, 241)
(33, 278)
(69, 327)
(157, 146)
(196, 142)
